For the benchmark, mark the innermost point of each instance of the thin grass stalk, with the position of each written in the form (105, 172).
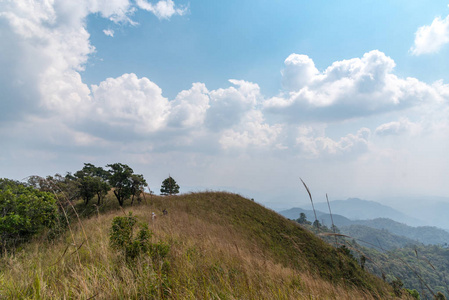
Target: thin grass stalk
(69, 226)
(332, 219)
(77, 216)
(313, 207)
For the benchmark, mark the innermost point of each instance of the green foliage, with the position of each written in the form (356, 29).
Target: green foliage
(169, 187)
(92, 182)
(120, 179)
(419, 266)
(125, 182)
(424, 234)
(440, 296)
(303, 219)
(397, 285)
(138, 185)
(24, 212)
(159, 250)
(123, 239)
(377, 237)
(414, 293)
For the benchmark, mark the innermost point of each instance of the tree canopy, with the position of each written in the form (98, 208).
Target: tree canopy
(92, 181)
(169, 187)
(125, 182)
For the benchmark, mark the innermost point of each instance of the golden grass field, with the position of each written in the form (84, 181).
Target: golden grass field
(222, 246)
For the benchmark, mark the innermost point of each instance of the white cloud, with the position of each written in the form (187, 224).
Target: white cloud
(109, 32)
(253, 131)
(431, 38)
(189, 107)
(315, 144)
(163, 9)
(349, 89)
(299, 71)
(128, 101)
(403, 126)
(228, 106)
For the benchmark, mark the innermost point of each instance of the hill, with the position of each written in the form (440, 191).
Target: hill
(425, 234)
(215, 245)
(377, 238)
(324, 218)
(358, 209)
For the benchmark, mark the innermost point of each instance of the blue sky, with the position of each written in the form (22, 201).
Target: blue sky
(246, 96)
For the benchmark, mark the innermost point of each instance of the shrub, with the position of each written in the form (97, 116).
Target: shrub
(122, 238)
(24, 212)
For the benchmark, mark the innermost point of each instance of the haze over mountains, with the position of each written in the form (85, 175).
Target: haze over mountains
(368, 219)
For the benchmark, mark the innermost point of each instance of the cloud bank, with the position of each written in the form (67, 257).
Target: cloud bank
(46, 46)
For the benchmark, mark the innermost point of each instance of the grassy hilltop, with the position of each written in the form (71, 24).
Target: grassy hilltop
(221, 246)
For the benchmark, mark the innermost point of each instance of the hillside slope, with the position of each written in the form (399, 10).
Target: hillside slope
(221, 246)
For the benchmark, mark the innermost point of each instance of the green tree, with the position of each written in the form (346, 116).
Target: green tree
(169, 187)
(125, 183)
(24, 212)
(397, 285)
(414, 293)
(138, 185)
(92, 182)
(120, 179)
(303, 219)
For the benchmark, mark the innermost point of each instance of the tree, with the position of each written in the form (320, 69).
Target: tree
(138, 185)
(92, 182)
(169, 187)
(120, 179)
(303, 219)
(125, 183)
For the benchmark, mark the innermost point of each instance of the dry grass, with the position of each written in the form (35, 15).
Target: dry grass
(211, 257)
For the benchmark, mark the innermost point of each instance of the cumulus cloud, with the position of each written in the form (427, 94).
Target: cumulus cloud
(129, 101)
(45, 46)
(189, 107)
(431, 38)
(299, 71)
(348, 89)
(164, 9)
(228, 106)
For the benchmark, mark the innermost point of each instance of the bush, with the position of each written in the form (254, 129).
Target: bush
(24, 212)
(122, 237)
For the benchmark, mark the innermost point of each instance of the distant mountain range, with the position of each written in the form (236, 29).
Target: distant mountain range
(348, 214)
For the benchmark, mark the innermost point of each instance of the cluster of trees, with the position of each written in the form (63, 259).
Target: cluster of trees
(28, 208)
(92, 181)
(95, 182)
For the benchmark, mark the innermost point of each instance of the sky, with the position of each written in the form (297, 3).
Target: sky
(243, 96)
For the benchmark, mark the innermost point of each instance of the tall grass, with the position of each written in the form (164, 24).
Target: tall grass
(221, 247)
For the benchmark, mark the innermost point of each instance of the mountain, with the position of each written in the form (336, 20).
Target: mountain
(427, 235)
(433, 210)
(208, 246)
(324, 218)
(380, 239)
(357, 209)
(424, 234)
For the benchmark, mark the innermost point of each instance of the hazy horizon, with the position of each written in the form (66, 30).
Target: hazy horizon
(352, 97)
